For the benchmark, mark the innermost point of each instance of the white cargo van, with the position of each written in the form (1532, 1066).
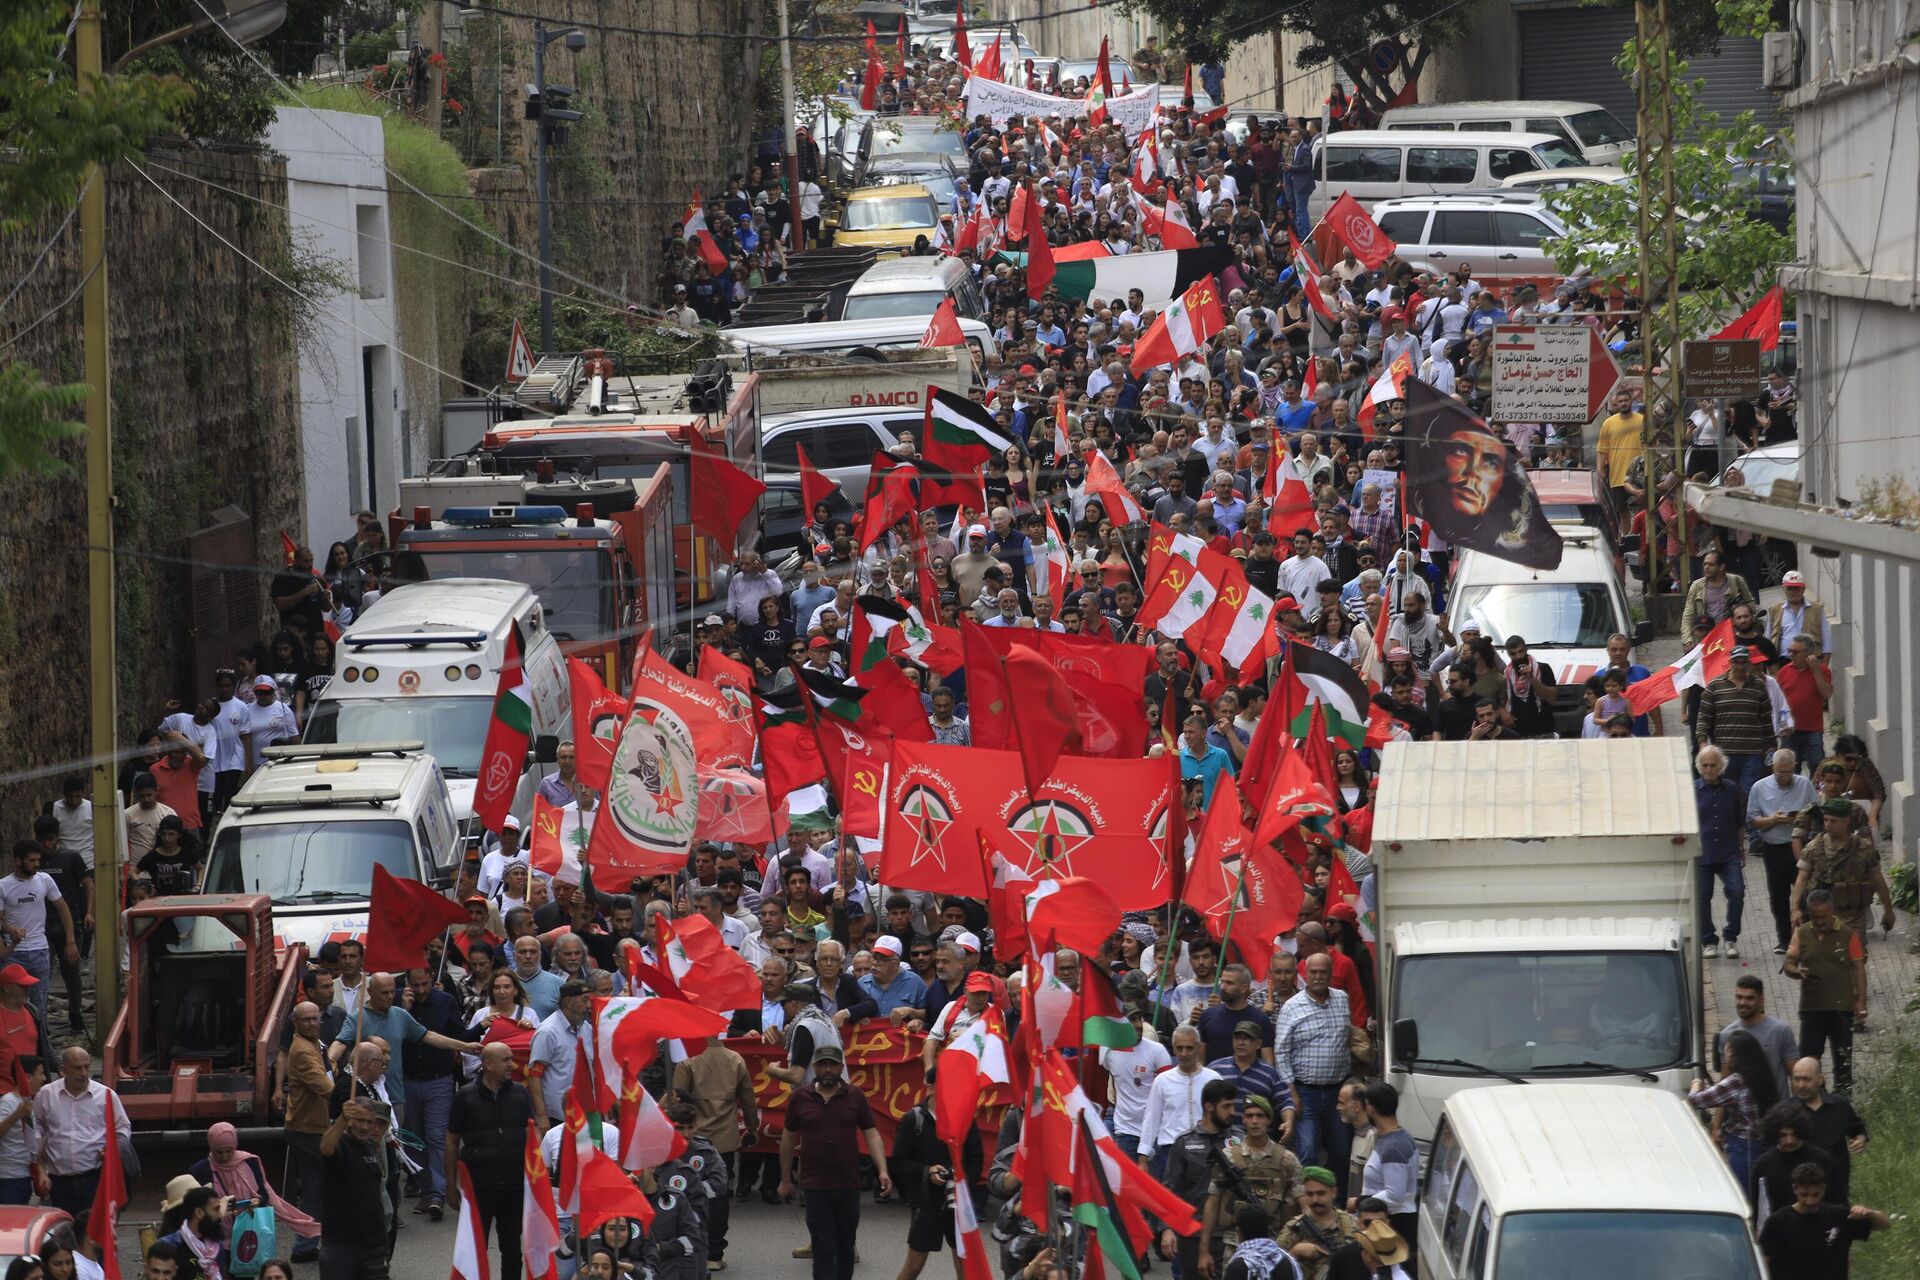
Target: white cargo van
(1383, 164)
(424, 662)
(1590, 127)
(310, 825)
(1535, 917)
(841, 337)
(1579, 1182)
(914, 287)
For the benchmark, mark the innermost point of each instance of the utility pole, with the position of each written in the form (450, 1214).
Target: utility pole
(431, 39)
(103, 736)
(793, 141)
(1659, 281)
(550, 125)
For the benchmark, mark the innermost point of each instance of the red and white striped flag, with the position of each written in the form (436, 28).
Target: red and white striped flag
(1183, 327)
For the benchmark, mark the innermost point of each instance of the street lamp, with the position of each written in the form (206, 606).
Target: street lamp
(244, 21)
(547, 105)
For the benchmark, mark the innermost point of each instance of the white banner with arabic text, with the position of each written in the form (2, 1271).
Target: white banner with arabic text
(997, 101)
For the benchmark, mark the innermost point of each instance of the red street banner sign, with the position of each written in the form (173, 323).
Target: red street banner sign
(884, 1063)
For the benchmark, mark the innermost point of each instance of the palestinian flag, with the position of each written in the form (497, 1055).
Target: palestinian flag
(1342, 696)
(876, 631)
(1101, 1021)
(1095, 1209)
(504, 755)
(1160, 277)
(822, 691)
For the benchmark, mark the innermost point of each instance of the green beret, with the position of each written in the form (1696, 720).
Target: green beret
(1314, 1173)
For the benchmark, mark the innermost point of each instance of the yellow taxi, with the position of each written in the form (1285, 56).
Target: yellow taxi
(888, 219)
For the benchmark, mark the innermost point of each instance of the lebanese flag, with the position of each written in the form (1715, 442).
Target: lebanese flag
(1185, 593)
(597, 717)
(961, 52)
(1231, 589)
(712, 974)
(1705, 662)
(1059, 564)
(540, 1238)
(1310, 274)
(1062, 442)
(969, 1245)
(1183, 327)
(628, 1031)
(870, 83)
(1389, 386)
(1311, 382)
(1076, 912)
(1146, 172)
(1103, 482)
(1175, 231)
(647, 1138)
(943, 330)
(1233, 874)
(693, 226)
(1163, 543)
(1760, 321)
(1096, 104)
(971, 1062)
(1289, 501)
(1007, 889)
(469, 1240)
(981, 235)
(1249, 640)
(503, 756)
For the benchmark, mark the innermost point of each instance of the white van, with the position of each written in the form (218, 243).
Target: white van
(1381, 164)
(1579, 1182)
(839, 337)
(423, 662)
(900, 287)
(310, 825)
(1596, 131)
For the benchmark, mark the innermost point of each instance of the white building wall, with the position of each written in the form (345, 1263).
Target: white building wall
(1857, 285)
(349, 423)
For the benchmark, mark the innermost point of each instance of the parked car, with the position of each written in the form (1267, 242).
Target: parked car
(1591, 128)
(1497, 233)
(1565, 179)
(1772, 188)
(30, 1231)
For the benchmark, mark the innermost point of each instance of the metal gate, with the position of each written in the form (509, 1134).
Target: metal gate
(1569, 54)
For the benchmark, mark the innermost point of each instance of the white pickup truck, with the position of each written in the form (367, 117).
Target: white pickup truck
(1536, 917)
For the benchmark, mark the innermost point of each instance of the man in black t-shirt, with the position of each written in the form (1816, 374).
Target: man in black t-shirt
(354, 1209)
(1453, 714)
(1400, 704)
(1809, 1239)
(299, 593)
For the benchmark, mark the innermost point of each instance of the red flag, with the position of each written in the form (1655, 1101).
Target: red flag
(1293, 796)
(1040, 269)
(1348, 223)
(539, 1217)
(1043, 718)
(545, 851)
(1233, 874)
(944, 329)
(1076, 912)
(989, 67)
(1761, 321)
(870, 85)
(402, 917)
(519, 1042)
(722, 724)
(1317, 752)
(900, 49)
(1104, 678)
(607, 1193)
(597, 717)
(890, 496)
(288, 547)
(1103, 72)
(989, 703)
(733, 807)
(1271, 736)
(961, 52)
(1019, 208)
(792, 759)
(1186, 86)
(111, 1194)
(733, 679)
(893, 703)
(1408, 95)
(723, 494)
(1007, 889)
(1104, 483)
(815, 488)
(856, 759)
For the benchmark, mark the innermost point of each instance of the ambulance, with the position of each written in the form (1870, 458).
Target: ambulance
(422, 663)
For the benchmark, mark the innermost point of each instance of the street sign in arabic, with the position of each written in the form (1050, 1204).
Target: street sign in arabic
(1550, 373)
(1722, 370)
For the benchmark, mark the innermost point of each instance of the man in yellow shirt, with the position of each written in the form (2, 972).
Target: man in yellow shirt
(1622, 437)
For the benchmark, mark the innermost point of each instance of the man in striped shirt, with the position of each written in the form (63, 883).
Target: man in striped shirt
(1252, 1076)
(1310, 1049)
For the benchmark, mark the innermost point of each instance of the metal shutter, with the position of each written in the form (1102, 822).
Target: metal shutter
(1568, 54)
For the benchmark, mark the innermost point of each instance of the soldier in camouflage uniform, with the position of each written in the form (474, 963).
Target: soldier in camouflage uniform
(1257, 1170)
(1843, 861)
(1312, 1236)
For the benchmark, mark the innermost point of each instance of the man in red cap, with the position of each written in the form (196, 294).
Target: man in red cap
(960, 1014)
(22, 1032)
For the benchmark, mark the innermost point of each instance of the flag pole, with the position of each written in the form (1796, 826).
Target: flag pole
(1175, 869)
(1226, 932)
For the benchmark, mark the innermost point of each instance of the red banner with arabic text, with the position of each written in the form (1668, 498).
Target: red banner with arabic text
(882, 1062)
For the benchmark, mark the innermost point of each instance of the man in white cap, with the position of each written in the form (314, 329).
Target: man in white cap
(1798, 615)
(969, 568)
(493, 867)
(272, 720)
(896, 989)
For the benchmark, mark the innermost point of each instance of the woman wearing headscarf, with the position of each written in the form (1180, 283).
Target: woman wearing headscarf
(240, 1174)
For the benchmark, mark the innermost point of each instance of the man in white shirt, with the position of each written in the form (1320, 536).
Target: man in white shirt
(1173, 1100)
(1134, 1071)
(24, 898)
(551, 1058)
(74, 812)
(71, 1115)
(1302, 572)
(271, 720)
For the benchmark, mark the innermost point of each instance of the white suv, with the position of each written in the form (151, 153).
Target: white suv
(1496, 233)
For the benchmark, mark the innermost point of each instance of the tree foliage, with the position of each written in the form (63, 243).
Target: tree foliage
(1339, 31)
(1726, 258)
(57, 132)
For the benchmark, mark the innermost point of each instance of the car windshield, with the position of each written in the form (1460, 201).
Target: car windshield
(889, 141)
(1541, 1014)
(1600, 1245)
(1559, 155)
(888, 213)
(940, 184)
(1577, 615)
(451, 728)
(880, 306)
(571, 581)
(1599, 129)
(309, 861)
